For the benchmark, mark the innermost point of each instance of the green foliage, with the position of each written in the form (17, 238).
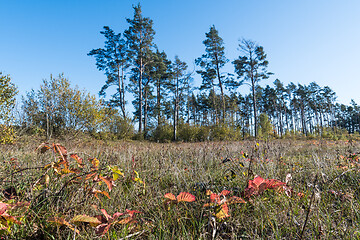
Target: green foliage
(8, 92)
(266, 129)
(188, 133)
(113, 61)
(225, 133)
(58, 108)
(163, 133)
(113, 126)
(139, 39)
(212, 62)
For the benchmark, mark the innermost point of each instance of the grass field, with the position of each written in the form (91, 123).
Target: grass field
(115, 190)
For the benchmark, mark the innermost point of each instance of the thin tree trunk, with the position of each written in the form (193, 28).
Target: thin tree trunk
(221, 89)
(140, 97)
(158, 89)
(121, 90)
(145, 111)
(254, 107)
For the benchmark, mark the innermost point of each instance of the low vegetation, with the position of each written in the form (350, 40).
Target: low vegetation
(83, 189)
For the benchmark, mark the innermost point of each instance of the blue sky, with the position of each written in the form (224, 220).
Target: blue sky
(305, 40)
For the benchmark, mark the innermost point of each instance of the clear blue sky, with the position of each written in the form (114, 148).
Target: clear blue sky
(308, 40)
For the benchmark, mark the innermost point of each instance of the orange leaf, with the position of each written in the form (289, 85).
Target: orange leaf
(126, 220)
(235, 199)
(170, 196)
(60, 149)
(185, 197)
(209, 192)
(96, 192)
(108, 181)
(89, 176)
(85, 218)
(78, 159)
(222, 212)
(43, 148)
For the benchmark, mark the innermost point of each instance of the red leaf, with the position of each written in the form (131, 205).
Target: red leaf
(102, 229)
(225, 192)
(256, 182)
(214, 198)
(132, 212)
(101, 218)
(90, 176)
(107, 216)
(185, 197)
(274, 184)
(3, 207)
(262, 187)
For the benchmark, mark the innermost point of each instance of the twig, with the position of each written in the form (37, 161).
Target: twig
(343, 173)
(134, 234)
(70, 180)
(309, 208)
(24, 169)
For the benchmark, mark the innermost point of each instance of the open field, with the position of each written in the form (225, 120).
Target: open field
(59, 194)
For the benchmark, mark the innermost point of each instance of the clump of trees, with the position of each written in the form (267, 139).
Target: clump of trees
(58, 108)
(167, 104)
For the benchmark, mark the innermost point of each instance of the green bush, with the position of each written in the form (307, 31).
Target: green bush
(187, 132)
(163, 133)
(225, 132)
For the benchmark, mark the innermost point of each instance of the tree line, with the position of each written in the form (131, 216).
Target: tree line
(168, 106)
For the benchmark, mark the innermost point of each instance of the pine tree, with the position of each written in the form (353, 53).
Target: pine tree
(113, 61)
(212, 61)
(177, 87)
(252, 67)
(139, 38)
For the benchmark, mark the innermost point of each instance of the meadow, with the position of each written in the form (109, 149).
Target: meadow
(87, 189)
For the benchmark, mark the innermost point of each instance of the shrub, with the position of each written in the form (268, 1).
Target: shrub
(163, 133)
(8, 92)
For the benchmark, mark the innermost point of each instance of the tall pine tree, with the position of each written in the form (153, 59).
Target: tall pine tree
(113, 61)
(252, 67)
(139, 38)
(212, 61)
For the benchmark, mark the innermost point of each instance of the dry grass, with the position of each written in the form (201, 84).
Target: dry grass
(321, 170)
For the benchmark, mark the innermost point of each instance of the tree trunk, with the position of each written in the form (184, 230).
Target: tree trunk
(145, 111)
(221, 89)
(121, 90)
(158, 89)
(140, 97)
(254, 107)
